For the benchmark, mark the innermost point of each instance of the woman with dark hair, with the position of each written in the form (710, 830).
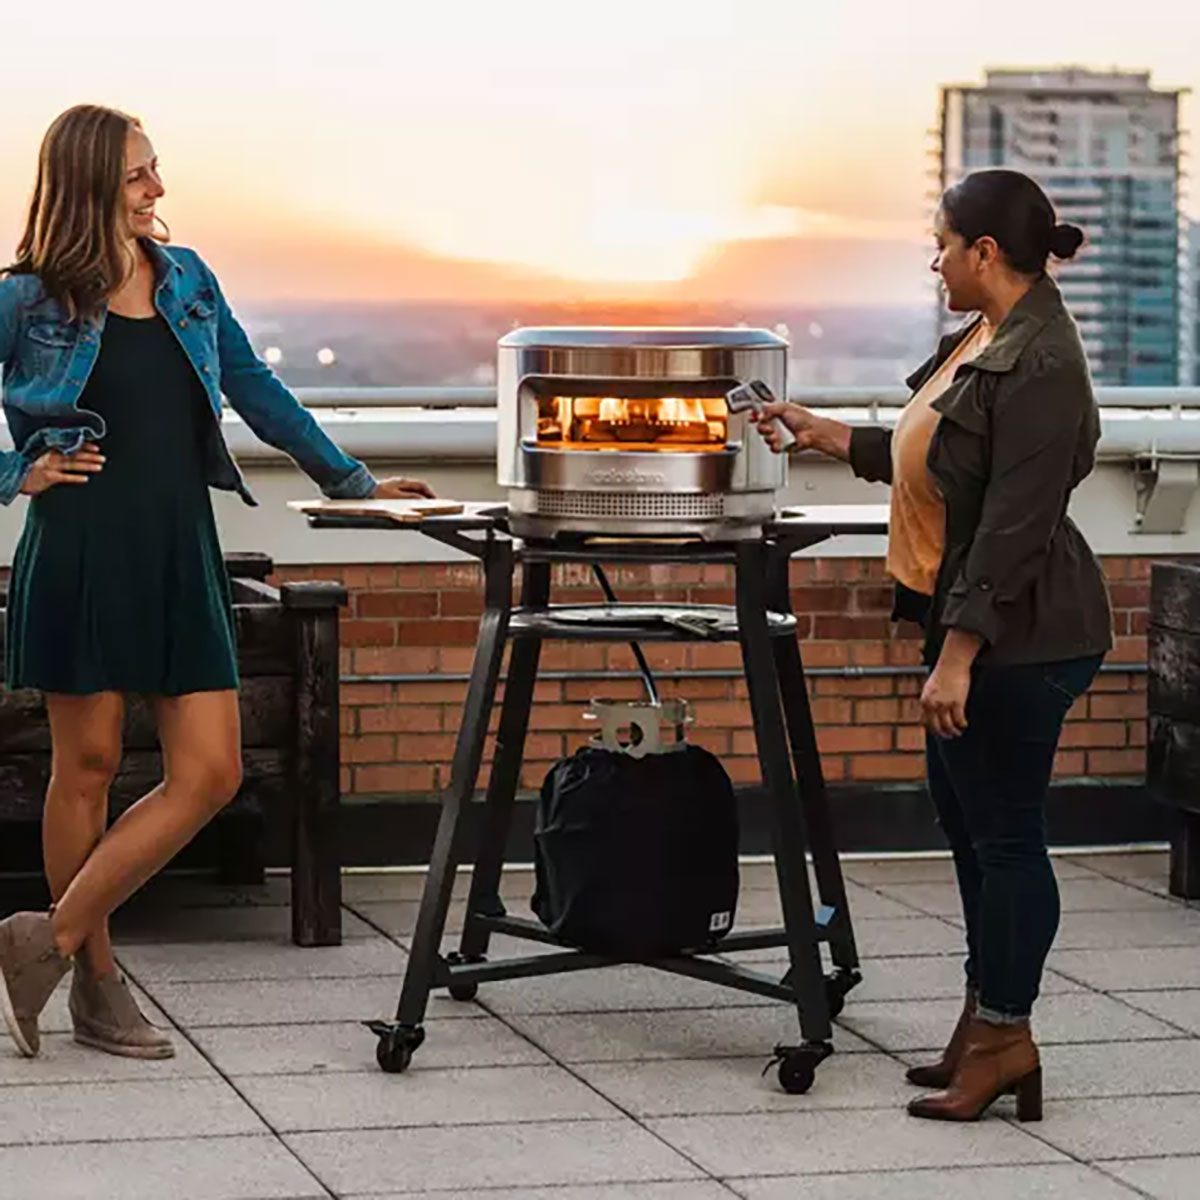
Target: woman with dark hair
(116, 351)
(1002, 426)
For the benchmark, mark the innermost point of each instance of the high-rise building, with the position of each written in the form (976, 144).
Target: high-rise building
(1105, 146)
(1192, 312)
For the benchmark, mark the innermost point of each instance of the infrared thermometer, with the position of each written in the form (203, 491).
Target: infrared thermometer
(753, 397)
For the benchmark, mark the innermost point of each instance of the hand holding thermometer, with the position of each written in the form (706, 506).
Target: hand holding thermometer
(753, 396)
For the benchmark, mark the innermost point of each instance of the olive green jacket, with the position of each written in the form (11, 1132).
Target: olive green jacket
(1018, 432)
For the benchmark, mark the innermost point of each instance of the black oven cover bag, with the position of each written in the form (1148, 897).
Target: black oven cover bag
(637, 857)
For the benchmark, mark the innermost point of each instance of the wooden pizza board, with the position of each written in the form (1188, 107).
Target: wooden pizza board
(403, 512)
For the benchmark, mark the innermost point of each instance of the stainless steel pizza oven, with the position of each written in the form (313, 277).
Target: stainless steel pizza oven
(626, 431)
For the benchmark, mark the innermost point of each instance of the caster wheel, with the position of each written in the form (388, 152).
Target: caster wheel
(463, 990)
(798, 1065)
(393, 1055)
(397, 1045)
(797, 1073)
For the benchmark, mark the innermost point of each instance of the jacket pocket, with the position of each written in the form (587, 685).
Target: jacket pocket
(53, 334)
(201, 309)
(47, 345)
(202, 306)
(201, 313)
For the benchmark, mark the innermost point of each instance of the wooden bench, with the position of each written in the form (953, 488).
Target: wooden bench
(287, 807)
(1173, 705)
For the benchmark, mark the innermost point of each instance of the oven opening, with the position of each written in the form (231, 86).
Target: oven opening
(663, 418)
(624, 423)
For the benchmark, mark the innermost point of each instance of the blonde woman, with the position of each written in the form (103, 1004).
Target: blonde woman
(116, 351)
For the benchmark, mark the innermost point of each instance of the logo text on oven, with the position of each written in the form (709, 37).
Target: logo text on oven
(618, 477)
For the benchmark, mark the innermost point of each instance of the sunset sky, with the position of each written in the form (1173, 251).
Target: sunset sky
(757, 149)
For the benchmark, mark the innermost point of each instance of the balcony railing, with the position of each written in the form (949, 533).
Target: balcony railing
(1155, 431)
(1139, 425)
(355, 398)
(458, 424)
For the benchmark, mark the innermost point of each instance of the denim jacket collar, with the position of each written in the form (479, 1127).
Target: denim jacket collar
(167, 267)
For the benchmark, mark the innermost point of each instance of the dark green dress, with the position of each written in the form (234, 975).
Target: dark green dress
(119, 584)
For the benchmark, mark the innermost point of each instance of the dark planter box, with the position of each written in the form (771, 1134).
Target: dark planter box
(1173, 706)
(288, 804)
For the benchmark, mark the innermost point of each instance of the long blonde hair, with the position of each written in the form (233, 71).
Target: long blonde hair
(75, 240)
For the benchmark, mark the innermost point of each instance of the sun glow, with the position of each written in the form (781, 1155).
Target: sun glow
(635, 241)
(725, 148)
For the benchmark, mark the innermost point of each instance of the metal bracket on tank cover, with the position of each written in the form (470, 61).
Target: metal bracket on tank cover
(1164, 488)
(638, 729)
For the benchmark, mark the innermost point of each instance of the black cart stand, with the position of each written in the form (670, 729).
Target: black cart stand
(763, 623)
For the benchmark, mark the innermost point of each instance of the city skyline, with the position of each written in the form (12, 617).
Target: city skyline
(1106, 148)
(750, 151)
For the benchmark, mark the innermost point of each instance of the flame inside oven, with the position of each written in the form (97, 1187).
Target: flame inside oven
(661, 423)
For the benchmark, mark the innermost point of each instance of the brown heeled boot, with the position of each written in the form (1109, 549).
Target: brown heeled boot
(997, 1060)
(939, 1074)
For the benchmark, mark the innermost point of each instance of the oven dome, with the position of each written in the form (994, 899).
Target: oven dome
(623, 337)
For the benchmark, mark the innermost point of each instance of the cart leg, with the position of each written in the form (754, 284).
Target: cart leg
(399, 1039)
(505, 778)
(810, 779)
(787, 820)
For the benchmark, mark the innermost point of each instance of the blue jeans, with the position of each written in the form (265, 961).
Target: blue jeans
(989, 788)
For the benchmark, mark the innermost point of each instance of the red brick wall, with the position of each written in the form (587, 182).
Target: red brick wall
(420, 619)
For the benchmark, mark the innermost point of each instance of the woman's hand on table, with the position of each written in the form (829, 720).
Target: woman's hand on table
(399, 488)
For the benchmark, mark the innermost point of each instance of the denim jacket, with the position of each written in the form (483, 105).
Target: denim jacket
(47, 360)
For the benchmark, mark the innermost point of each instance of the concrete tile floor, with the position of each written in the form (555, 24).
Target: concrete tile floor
(623, 1084)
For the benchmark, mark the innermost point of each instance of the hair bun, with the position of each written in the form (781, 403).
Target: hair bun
(1065, 240)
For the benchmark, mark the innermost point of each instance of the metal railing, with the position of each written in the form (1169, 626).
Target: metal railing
(398, 397)
(870, 398)
(460, 422)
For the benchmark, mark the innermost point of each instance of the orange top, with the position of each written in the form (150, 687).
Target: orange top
(917, 533)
